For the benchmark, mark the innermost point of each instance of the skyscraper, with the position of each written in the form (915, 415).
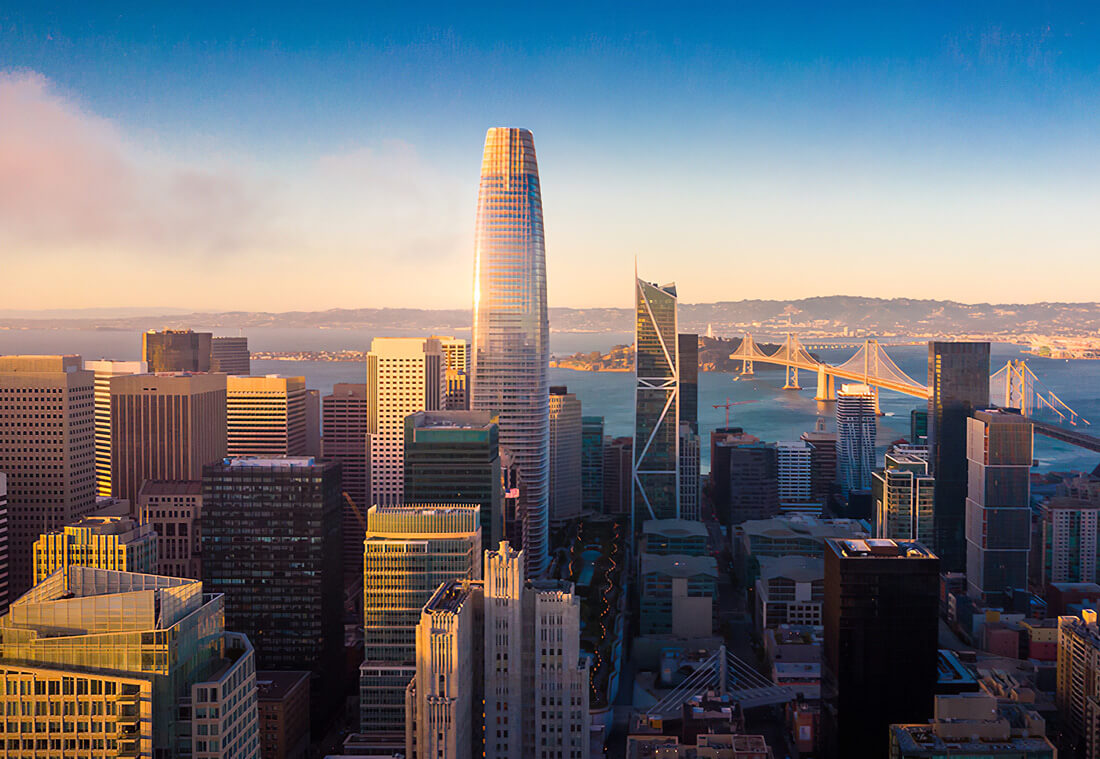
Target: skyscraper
(50, 469)
(104, 370)
(902, 495)
(823, 452)
(795, 465)
(998, 503)
(4, 567)
(176, 350)
(657, 404)
(164, 427)
(345, 440)
(404, 375)
(511, 332)
(592, 463)
(855, 426)
(689, 379)
(565, 455)
(230, 355)
(265, 416)
(689, 466)
(457, 358)
(958, 378)
(618, 467)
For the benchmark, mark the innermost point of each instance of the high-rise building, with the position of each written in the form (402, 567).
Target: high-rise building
(823, 461)
(998, 503)
(510, 355)
(1070, 540)
(344, 432)
(271, 544)
(565, 455)
(592, 464)
(104, 542)
(722, 440)
(104, 370)
(176, 350)
(689, 380)
(50, 469)
(753, 482)
(165, 427)
(918, 426)
(230, 355)
(794, 478)
(174, 509)
(265, 416)
(881, 637)
(144, 668)
(690, 478)
(457, 359)
(404, 375)
(510, 647)
(656, 404)
(958, 381)
(903, 495)
(1078, 688)
(409, 552)
(855, 426)
(453, 457)
(618, 467)
(313, 423)
(4, 569)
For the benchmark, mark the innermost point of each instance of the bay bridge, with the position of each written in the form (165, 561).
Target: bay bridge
(1014, 385)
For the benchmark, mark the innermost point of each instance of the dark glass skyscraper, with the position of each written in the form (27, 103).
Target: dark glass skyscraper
(176, 350)
(958, 377)
(511, 331)
(592, 463)
(689, 380)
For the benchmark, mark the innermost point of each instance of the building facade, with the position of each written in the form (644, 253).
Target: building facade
(176, 350)
(265, 416)
(677, 595)
(592, 464)
(855, 428)
(1069, 539)
(823, 461)
(794, 468)
(753, 481)
(174, 509)
(903, 496)
(690, 478)
(344, 439)
(103, 542)
(565, 456)
(50, 465)
(1078, 689)
(618, 467)
(688, 347)
(510, 355)
(230, 355)
(103, 371)
(404, 375)
(284, 714)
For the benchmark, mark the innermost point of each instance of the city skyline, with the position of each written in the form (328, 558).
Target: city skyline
(960, 141)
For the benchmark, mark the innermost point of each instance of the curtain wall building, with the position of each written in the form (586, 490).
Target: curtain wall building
(565, 455)
(176, 350)
(511, 331)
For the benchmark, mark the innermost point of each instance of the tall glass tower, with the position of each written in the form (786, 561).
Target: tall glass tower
(511, 332)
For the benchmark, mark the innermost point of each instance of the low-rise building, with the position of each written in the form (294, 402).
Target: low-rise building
(976, 726)
(790, 590)
(672, 536)
(677, 595)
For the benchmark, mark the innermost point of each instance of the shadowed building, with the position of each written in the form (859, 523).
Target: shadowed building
(176, 350)
(345, 440)
(230, 355)
(565, 455)
(592, 464)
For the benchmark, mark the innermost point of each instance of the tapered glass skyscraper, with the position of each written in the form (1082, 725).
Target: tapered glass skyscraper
(510, 357)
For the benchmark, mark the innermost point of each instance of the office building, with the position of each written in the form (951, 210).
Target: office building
(265, 416)
(958, 381)
(313, 423)
(794, 467)
(667, 537)
(855, 427)
(618, 466)
(918, 426)
(409, 551)
(1078, 688)
(677, 595)
(174, 509)
(404, 375)
(453, 457)
(753, 482)
(656, 404)
(722, 440)
(283, 700)
(793, 535)
(229, 355)
(176, 350)
(881, 637)
(688, 345)
(690, 479)
(823, 462)
(271, 545)
(165, 427)
(510, 355)
(145, 668)
(998, 504)
(103, 542)
(457, 360)
(345, 431)
(565, 456)
(1070, 544)
(4, 568)
(104, 370)
(975, 726)
(592, 464)
(790, 590)
(50, 469)
(903, 496)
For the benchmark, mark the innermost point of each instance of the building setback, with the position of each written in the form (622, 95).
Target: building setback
(176, 350)
(174, 509)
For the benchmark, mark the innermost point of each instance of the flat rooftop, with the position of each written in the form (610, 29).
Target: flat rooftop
(171, 487)
(880, 548)
(268, 462)
(674, 528)
(274, 686)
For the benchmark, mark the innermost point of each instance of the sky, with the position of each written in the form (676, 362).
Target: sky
(326, 155)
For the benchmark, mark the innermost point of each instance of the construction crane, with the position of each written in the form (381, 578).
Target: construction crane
(727, 405)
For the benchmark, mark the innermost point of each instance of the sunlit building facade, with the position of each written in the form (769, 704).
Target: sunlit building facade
(104, 370)
(855, 426)
(511, 332)
(265, 416)
(103, 542)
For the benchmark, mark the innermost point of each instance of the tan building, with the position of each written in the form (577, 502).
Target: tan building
(284, 714)
(104, 370)
(457, 359)
(265, 416)
(4, 579)
(174, 509)
(165, 427)
(47, 450)
(565, 456)
(103, 542)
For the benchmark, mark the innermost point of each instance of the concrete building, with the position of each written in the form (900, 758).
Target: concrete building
(265, 416)
(823, 461)
(165, 427)
(174, 509)
(903, 497)
(176, 350)
(856, 407)
(790, 591)
(344, 439)
(230, 355)
(1078, 688)
(690, 478)
(665, 537)
(104, 370)
(565, 455)
(722, 441)
(50, 465)
(409, 551)
(618, 458)
(172, 682)
(999, 452)
(1069, 540)
(404, 375)
(794, 476)
(284, 714)
(881, 637)
(453, 457)
(103, 542)
(977, 726)
(753, 482)
(677, 595)
(592, 464)
(793, 535)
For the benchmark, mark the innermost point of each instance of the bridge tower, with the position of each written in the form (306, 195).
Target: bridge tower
(826, 385)
(792, 379)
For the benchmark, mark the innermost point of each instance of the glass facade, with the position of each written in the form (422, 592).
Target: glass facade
(510, 356)
(592, 464)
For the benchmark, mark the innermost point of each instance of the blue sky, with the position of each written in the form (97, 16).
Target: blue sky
(774, 150)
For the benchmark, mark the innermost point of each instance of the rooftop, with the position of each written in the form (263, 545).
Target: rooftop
(274, 686)
(796, 568)
(449, 597)
(171, 487)
(880, 548)
(678, 565)
(268, 462)
(674, 528)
